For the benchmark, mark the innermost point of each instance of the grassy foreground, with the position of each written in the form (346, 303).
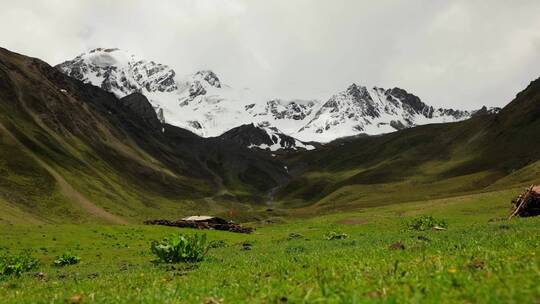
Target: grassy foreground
(480, 258)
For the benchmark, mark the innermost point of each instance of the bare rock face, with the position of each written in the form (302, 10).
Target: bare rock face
(120, 73)
(196, 89)
(139, 104)
(264, 137)
(208, 76)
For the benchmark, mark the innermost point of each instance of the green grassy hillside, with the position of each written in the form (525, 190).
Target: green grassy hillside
(71, 152)
(480, 154)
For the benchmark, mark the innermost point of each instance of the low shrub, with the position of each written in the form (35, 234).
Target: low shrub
(17, 264)
(65, 259)
(181, 248)
(425, 222)
(333, 235)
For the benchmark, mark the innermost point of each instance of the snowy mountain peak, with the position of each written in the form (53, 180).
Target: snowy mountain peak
(372, 111)
(199, 84)
(120, 72)
(208, 77)
(202, 103)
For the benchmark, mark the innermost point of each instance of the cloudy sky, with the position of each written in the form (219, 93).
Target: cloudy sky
(450, 53)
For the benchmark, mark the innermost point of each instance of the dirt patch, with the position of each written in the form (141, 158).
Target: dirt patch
(354, 221)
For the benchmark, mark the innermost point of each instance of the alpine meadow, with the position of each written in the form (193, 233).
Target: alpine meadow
(232, 152)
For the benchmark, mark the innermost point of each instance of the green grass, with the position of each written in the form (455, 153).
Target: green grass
(474, 261)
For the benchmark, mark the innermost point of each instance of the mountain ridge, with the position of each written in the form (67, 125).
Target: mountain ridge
(114, 152)
(203, 104)
(119, 156)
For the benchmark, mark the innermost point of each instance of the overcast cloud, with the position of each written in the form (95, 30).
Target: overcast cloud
(450, 53)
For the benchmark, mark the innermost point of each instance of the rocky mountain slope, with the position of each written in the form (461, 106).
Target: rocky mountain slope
(203, 104)
(265, 138)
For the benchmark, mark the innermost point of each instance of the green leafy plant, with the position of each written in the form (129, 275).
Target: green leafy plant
(334, 235)
(65, 259)
(17, 264)
(426, 222)
(181, 248)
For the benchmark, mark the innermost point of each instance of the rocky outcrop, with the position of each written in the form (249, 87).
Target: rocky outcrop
(264, 137)
(139, 104)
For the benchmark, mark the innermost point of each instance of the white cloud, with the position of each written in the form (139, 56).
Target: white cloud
(450, 53)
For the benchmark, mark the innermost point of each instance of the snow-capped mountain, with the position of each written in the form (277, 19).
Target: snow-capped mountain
(197, 102)
(372, 111)
(203, 104)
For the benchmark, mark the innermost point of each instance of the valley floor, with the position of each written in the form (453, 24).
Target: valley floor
(480, 258)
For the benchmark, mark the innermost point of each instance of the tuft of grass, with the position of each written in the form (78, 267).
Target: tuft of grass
(425, 222)
(333, 235)
(181, 248)
(65, 259)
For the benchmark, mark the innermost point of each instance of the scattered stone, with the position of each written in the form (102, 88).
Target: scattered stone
(246, 246)
(213, 300)
(40, 275)
(374, 294)
(397, 246)
(423, 238)
(477, 264)
(92, 275)
(74, 299)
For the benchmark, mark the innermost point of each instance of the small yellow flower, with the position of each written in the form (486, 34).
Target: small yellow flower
(452, 270)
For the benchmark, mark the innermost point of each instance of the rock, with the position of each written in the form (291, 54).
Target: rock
(74, 299)
(397, 246)
(139, 104)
